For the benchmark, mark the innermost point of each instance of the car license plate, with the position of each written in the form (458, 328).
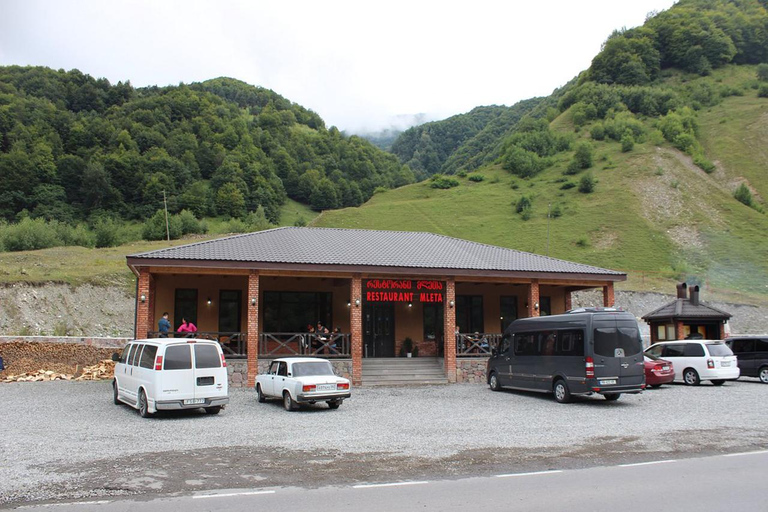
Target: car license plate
(607, 382)
(665, 368)
(725, 364)
(194, 401)
(326, 387)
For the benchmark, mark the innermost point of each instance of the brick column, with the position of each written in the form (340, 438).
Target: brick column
(252, 338)
(533, 298)
(722, 331)
(449, 330)
(568, 300)
(679, 331)
(356, 327)
(608, 300)
(142, 308)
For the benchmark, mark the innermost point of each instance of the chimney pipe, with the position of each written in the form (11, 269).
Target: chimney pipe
(682, 292)
(695, 295)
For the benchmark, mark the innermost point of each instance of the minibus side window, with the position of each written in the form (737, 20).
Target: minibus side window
(135, 356)
(570, 343)
(526, 344)
(126, 351)
(506, 343)
(148, 357)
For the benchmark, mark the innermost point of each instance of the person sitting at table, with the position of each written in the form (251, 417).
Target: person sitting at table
(322, 337)
(187, 327)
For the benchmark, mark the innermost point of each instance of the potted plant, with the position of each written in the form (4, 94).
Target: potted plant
(406, 348)
(415, 351)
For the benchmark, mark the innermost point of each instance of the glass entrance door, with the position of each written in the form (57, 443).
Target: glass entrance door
(379, 330)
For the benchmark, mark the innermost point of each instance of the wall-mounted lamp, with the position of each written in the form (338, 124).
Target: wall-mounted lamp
(501, 318)
(253, 301)
(208, 301)
(143, 298)
(349, 304)
(357, 303)
(536, 306)
(410, 304)
(451, 303)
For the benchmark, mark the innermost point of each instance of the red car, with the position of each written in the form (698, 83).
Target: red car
(658, 371)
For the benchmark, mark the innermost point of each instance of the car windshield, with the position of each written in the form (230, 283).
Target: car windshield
(312, 369)
(719, 349)
(651, 357)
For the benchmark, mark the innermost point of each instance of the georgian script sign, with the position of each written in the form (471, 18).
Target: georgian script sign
(403, 290)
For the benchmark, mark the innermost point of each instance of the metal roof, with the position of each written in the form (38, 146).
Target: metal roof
(367, 248)
(684, 308)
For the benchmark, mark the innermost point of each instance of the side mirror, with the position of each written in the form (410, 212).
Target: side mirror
(115, 357)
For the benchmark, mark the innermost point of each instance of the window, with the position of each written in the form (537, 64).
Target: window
(273, 368)
(282, 369)
(545, 306)
(294, 311)
(230, 307)
(206, 356)
(693, 350)
(616, 338)
(185, 306)
(656, 351)
(741, 346)
(674, 350)
(126, 351)
(469, 313)
(665, 332)
(719, 350)
(761, 345)
(569, 343)
(178, 357)
(135, 355)
(148, 357)
(433, 322)
(505, 344)
(526, 344)
(315, 368)
(508, 309)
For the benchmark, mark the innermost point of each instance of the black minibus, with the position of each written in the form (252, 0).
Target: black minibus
(581, 352)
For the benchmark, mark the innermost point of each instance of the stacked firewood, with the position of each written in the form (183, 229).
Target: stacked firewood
(103, 370)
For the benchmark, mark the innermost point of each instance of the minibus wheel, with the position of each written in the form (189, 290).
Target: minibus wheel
(493, 382)
(216, 409)
(562, 393)
(612, 397)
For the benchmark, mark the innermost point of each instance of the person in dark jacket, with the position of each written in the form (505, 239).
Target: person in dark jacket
(164, 325)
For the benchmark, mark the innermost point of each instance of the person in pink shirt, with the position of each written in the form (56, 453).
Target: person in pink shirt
(186, 327)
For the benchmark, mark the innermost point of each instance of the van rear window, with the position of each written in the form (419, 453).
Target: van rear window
(177, 357)
(719, 350)
(621, 341)
(206, 356)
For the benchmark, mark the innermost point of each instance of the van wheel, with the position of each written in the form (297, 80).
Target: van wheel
(718, 382)
(288, 402)
(562, 393)
(493, 382)
(216, 409)
(143, 405)
(261, 396)
(763, 374)
(334, 404)
(612, 397)
(114, 393)
(691, 377)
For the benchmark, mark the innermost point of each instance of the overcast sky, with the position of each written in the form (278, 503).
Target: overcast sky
(359, 64)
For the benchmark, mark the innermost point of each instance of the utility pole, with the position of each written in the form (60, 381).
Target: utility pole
(168, 231)
(549, 209)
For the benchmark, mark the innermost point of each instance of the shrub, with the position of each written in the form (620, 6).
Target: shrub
(523, 203)
(704, 163)
(685, 142)
(526, 213)
(106, 232)
(743, 195)
(443, 182)
(379, 190)
(73, 235)
(522, 163)
(477, 178)
(557, 211)
(583, 155)
(461, 174)
(582, 242)
(762, 92)
(762, 72)
(155, 229)
(567, 185)
(300, 222)
(597, 132)
(190, 224)
(29, 235)
(627, 142)
(587, 184)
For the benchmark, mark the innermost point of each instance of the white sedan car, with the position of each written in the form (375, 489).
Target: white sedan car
(302, 380)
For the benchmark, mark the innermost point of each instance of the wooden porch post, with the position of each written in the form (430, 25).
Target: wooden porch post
(252, 338)
(142, 306)
(449, 330)
(356, 326)
(608, 299)
(533, 298)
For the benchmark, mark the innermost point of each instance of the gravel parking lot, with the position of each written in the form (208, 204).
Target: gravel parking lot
(66, 440)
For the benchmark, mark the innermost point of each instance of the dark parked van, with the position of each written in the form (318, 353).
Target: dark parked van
(584, 351)
(752, 353)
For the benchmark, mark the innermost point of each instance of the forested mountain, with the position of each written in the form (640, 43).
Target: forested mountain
(73, 147)
(653, 160)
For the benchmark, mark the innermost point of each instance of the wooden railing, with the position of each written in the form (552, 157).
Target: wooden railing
(232, 343)
(278, 344)
(476, 344)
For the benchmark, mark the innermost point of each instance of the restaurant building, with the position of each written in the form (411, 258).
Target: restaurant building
(262, 294)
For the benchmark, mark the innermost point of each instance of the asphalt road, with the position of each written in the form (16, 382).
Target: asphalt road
(720, 483)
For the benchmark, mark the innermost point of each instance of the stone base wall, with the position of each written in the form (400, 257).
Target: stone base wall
(76, 340)
(471, 370)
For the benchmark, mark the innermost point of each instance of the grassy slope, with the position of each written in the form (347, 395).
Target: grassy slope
(644, 201)
(78, 265)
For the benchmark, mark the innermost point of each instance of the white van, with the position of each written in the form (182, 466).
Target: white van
(697, 360)
(162, 374)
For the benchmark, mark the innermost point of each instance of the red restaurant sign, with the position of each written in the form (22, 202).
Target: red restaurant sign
(403, 290)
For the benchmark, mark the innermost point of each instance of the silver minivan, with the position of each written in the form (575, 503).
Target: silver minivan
(582, 352)
(165, 374)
